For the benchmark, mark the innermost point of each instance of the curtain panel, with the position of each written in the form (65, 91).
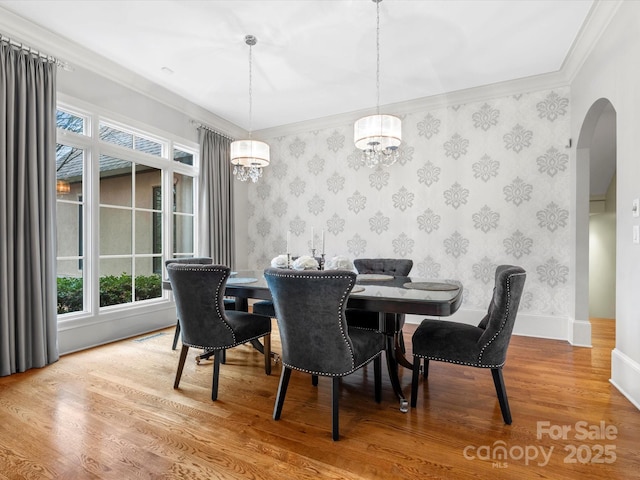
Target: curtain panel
(28, 318)
(217, 224)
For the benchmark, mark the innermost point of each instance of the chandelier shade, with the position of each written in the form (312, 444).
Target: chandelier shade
(250, 153)
(378, 132)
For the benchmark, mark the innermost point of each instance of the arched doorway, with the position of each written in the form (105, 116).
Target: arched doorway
(595, 210)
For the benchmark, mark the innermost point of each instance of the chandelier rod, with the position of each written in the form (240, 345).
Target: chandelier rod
(251, 41)
(378, 55)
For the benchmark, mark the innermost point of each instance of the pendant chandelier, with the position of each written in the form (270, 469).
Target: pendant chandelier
(378, 136)
(249, 157)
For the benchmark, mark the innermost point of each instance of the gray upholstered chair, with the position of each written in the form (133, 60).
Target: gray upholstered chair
(199, 292)
(310, 310)
(228, 303)
(264, 307)
(398, 267)
(484, 346)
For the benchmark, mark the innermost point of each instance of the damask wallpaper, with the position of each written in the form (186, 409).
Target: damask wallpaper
(476, 185)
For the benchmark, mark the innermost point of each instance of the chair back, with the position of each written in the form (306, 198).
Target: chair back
(310, 310)
(191, 260)
(501, 315)
(399, 267)
(198, 290)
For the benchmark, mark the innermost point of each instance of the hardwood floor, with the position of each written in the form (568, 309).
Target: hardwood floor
(111, 412)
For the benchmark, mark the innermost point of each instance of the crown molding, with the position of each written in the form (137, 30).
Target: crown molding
(598, 19)
(76, 56)
(460, 97)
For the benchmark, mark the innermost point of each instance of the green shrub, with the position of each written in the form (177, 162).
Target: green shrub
(69, 294)
(148, 287)
(114, 290)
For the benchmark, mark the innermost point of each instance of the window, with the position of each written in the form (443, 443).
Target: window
(71, 122)
(70, 231)
(183, 217)
(130, 140)
(124, 206)
(182, 156)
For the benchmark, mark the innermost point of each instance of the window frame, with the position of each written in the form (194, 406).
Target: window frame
(93, 148)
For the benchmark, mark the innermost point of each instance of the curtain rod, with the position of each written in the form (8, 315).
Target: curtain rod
(33, 51)
(207, 127)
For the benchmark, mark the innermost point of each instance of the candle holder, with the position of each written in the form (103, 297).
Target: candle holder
(288, 260)
(321, 261)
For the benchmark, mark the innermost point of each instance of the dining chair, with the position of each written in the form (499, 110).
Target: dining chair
(229, 304)
(482, 346)
(264, 307)
(397, 267)
(310, 311)
(205, 324)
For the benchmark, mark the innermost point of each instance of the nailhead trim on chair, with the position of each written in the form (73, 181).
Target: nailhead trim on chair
(207, 268)
(481, 365)
(438, 359)
(325, 374)
(208, 347)
(504, 320)
(340, 310)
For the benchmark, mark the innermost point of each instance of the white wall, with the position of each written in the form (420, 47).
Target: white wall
(612, 71)
(602, 258)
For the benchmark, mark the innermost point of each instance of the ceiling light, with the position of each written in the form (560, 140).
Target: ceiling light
(63, 187)
(249, 157)
(378, 136)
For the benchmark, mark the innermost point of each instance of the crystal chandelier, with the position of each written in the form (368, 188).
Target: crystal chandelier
(378, 136)
(249, 157)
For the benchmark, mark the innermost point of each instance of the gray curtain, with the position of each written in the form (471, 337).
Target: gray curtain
(28, 319)
(217, 224)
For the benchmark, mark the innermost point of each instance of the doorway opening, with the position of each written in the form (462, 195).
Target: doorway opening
(596, 168)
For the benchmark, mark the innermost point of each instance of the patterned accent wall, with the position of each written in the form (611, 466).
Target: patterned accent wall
(476, 186)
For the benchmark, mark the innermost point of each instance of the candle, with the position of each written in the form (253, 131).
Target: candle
(288, 240)
(312, 237)
(323, 241)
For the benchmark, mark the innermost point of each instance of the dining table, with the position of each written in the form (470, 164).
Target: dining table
(388, 295)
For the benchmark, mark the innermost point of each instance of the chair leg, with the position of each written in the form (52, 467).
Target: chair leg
(266, 340)
(415, 377)
(403, 347)
(377, 377)
(217, 354)
(282, 391)
(176, 336)
(335, 394)
(501, 390)
(425, 371)
(314, 380)
(183, 357)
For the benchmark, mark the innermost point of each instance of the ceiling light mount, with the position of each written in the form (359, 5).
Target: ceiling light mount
(378, 136)
(249, 157)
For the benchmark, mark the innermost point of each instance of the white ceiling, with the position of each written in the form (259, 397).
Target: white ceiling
(316, 58)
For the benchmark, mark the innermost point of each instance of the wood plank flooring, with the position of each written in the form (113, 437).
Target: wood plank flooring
(111, 413)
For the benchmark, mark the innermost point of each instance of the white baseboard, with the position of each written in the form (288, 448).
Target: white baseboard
(579, 333)
(625, 376)
(81, 334)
